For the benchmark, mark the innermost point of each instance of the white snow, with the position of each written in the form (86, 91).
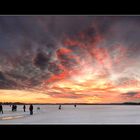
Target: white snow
(82, 114)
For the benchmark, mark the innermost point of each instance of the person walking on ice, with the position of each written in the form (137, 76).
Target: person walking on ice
(24, 108)
(31, 109)
(1, 108)
(12, 107)
(15, 107)
(59, 107)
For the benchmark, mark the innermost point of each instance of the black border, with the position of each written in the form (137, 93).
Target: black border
(70, 131)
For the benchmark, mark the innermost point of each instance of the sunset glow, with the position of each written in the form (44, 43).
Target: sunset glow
(78, 59)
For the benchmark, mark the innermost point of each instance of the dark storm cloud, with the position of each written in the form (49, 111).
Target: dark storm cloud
(41, 60)
(27, 27)
(6, 83)
(40, 29)
(2, 77)
(130, 94)
(28, 44)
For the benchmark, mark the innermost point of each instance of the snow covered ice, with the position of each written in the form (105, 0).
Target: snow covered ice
(82, 114)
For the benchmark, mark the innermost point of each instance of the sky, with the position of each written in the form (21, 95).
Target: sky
(69, 59)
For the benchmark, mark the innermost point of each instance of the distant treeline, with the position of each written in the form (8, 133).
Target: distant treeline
(19, 103)
(9, 103)
(131, 103)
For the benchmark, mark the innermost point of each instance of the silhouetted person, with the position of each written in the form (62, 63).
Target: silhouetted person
(59, 106)
(31, 109)
(15, 107)
(1, 108)
(24, 108)
(75, 105)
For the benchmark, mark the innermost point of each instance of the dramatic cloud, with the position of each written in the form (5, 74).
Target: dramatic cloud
(130, 94)
(70, 58)
(41, 60)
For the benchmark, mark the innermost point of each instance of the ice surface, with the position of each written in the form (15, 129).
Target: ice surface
(82, 114)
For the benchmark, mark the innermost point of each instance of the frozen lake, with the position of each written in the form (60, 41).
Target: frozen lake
(82, 114)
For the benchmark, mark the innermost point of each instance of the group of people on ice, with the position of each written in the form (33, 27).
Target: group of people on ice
(30, 109)
(14, 108)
